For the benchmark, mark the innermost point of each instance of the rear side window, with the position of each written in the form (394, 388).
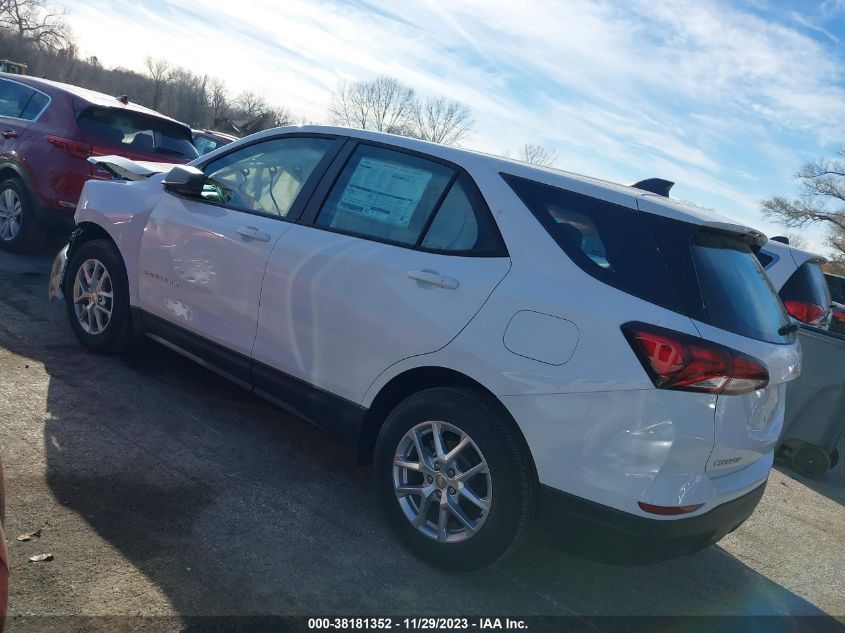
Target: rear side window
(606, 240)
(463, 224)
(737, 294)
(764, 258)
(19, 101)
(837, 288)
(807, 285)
(130, 131)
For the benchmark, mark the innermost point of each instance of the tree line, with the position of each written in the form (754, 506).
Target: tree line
(35, 33)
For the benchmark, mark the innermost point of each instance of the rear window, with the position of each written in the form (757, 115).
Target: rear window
(737, 294)
(837, 288)
(807, 285)
(128, 131)
(606, 240)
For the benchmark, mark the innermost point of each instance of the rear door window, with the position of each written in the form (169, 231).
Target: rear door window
(606, 240)
(18, 101)
(385, 195)
(463, 224)
(136, 132)
(737, 294)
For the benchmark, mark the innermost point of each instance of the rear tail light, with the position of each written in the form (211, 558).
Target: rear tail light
(78, 149)
(839, 316)
(668, 510)
(809, 313)
(74, 148)
(682, 362)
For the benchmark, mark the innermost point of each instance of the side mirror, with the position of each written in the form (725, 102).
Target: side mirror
(184, 180)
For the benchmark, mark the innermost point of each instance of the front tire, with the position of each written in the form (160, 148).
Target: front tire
(454, 478)
(96, 292)
(19, 228)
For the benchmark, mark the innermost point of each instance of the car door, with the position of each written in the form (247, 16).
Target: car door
(396, 253)
(202, 259)
(20, 105)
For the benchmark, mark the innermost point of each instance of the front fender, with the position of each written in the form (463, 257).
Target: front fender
(121, 209)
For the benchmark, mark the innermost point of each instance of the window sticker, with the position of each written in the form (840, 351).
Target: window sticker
(385, 191)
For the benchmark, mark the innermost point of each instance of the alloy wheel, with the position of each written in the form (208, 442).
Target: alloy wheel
(93, 296)
(10, 215)
(442, 482)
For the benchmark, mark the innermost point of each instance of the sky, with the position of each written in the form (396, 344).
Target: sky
(727, 99)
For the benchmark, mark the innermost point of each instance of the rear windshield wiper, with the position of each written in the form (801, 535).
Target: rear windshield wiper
(788, 329)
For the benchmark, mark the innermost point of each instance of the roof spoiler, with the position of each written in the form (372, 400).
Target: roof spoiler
(780, 238)
(655, 185)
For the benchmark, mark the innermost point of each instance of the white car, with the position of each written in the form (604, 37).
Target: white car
(498, 338)
(798, 277)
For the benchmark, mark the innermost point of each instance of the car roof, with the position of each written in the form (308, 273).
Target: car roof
(798, 255)
(645, 200)
(91, 96)
(215, 133)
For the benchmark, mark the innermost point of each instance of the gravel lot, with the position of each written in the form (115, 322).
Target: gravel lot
(162, 490)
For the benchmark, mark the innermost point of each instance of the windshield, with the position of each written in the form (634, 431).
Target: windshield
(136, 132)
(737, 294)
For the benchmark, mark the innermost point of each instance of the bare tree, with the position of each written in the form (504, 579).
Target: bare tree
(441, 120)
(36, 22)
(280, 116)
(797, 240)
(251, 103)
(218, 101)
(383, 104)
(821, 202)
(539, 155)
(159, 69)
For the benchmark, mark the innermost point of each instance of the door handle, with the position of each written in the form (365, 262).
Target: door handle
(9, 134)
(433, 279)
(252, 233)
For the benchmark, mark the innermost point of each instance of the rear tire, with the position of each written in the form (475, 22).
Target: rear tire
(20, 231)
(811, 460)
(505, 482)
(96, 292)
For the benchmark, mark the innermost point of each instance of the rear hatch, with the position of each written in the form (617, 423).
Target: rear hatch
(136, 135)
(806, 296)
(731, 301)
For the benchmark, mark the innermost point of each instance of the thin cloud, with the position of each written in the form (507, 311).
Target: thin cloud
(725, 99)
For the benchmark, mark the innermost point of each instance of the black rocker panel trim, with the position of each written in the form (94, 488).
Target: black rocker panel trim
(317, 406)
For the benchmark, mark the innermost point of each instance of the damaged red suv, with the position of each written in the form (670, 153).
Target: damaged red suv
(48, 130)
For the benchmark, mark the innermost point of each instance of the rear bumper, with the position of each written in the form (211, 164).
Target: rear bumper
(609, 535)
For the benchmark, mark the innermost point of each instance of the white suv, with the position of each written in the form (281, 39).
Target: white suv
(798, 277)
(498, 338)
